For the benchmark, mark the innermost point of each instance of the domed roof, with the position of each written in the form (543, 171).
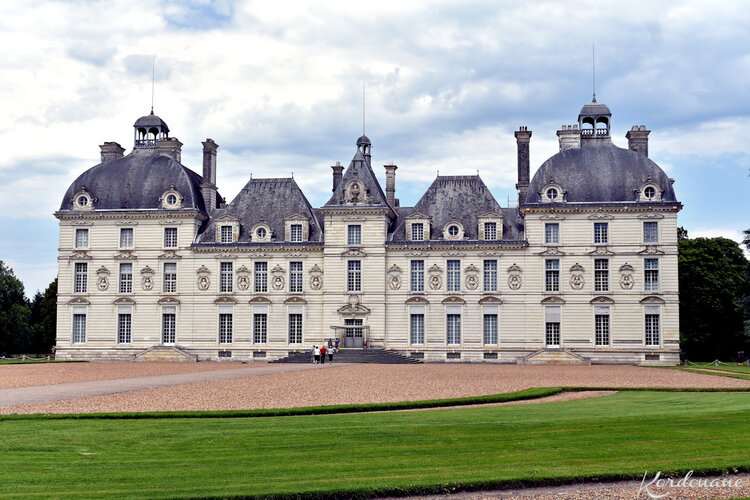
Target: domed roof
(599, 172)
(151, 121)
(594, 109)
(364, 140)
(137, 181)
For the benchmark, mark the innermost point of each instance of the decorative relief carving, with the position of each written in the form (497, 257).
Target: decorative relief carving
(125, 255)
(453, 299)
(417, 300)
(203, 278)
(79, 255)
(601, 250)
(124, 301)
(353, 307)
(514, 277)
(651, 250)
(295, 300)
(553, 300)
(81, 301)
(652, 300)
(626, 276)
(651, 215)
(394, 277)
(170, 254)
(259, 300)
(600, 216)
(168, 301)
(225, 299)
(102, 281)
(601, 300)
(277, 279)
(472, 281)
(354, 252)
(576, 276)
(316, 278)
(490, 299)
(435, 276)
(147, 278)
(552, 251)
(243, 278)
(552, 216)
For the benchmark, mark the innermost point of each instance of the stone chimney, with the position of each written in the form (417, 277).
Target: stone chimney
(637, 138)
(337, 173)
(390, 184)
(170, 146)
(111, 151)
(208, 187)
(569, 137)
(523, 137)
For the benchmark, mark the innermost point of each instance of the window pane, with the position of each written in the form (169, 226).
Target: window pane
(170, 237)
(126, 237)
(296, 232)
(126, 278)
(552, 233)
(170, 277)
(417, 231)
(453, 322)
(552, 275)
(123, 328)
(552, 331)
(490, 275)
(652, 329)
(454, 276)
(168, 328)
(417, 328)
(295, 276)
(417, 276)
(490, 329)
(225, 278)
(490, 231)
(354, 279)
(601, 275)
(225, 328)
(226, 234)
(354, 235)
(295, 328)
(81, 278)
(601, 329)
(79, 328)
(261, 277)
(260, 328)
(651, 275)
(82, 238)
(651, 232)
(601, 232)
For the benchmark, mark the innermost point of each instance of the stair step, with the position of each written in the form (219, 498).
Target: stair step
(353, 356)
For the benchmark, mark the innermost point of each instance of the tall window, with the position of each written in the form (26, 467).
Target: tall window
(551, 233)
(417, 231)
(226, 234)
(225, 327)
(453, 330)
(601, 325)
(126, 278)
(261, 277)
(260, 328)
(170, 237)
(552, 326)
(170, 277)
(652, 326)
(490, 276)
(82, 238)
(601, 275)
(651, 232)
(225, 277)
(454, 276)
(354, 234)
(417, 328)
(490, 230)
(651, 275)
(354, 276)
(295, 277)
(126, 237)
(417, 276)
(168, 325)
(552, 275)
(79, 326)
(295, 232)
(295, 328)
(490, 329)
(601, 232)
(81, 277)
(124, 327)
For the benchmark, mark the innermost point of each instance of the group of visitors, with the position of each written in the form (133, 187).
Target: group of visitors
(319, 353)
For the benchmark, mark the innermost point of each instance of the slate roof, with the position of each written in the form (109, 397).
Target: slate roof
(594, 109)
(462, 198)
(359, 168)
(599, 172)
(151, 121)
(269, 201)
(137, 181)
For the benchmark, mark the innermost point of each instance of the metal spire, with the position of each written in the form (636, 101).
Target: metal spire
(593, 68)
(363, 107)
(153, 74)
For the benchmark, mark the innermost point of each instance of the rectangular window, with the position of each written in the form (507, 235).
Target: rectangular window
(552, 318)
(601, 275)
(225, 277)
(295, 277)
(651, 275)
(417, 276)
(170, 277)
(490, 329)
(295, 232)
(454, 276)
(226, 234)
(416, 327)
(354, 234)
(601, 232)
(354, 276)
(651, 232)
(126, 278)
(490, 230)
(79, 327)
(601, 325)
(124, 326)
(126, 237)
(552, 275)
(453, 329)
(260, 328)
(417, 231)
(552, 233)
(652, 326)
(80, 284)
(261, 277)
(225, 328)
(170, 237)
(295, 328)
(168, 326)
(490, 276)
(82, 238)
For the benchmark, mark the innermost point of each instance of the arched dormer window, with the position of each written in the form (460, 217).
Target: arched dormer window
(552, 193)
(649, 191)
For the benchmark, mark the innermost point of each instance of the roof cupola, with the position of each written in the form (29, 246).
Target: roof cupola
(594, 121)
(364, 145)
(149, 129)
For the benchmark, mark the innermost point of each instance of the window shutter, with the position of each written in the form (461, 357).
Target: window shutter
(552, 314)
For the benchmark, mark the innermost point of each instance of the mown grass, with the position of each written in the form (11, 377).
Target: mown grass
(350, 455)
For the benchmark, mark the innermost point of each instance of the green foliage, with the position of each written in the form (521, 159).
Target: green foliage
(357, 456)
(15, 314)
(714, 282)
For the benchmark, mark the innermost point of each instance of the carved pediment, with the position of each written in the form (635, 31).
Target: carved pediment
(417, 300)
(453, 299)
(491, 215)
(124, 301)
(552, 251)
(243, 270)
(79, 301)
(225, 299)
(553, 300)
(601, 250)
(259, 300)
(652, 299)
(226, 218)
(147, 271)
(651, 215)
(295, 300)
(168, 301)
(102, 271)
(79, 255)
(394, 269)
(297, 217)
(576, 268)
(552, 216)
(601, 300)
(490, 299)
(170, 254)
(651, 250)
(353, 252)
(600, 216)
(627, 268)
(354, 310)
(418, 215)
(515, 269)
(435, 269)
(203, 270)
(317, 270)
(125, 255)
(471, 268)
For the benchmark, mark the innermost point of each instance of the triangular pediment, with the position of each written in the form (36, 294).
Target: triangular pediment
(297, 216)
(490, 215)
(226, 218)
(417, 215)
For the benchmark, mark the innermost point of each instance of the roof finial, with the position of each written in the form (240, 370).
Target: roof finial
(153, 75)
(593, 69)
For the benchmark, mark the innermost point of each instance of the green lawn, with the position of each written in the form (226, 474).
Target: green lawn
(614, 436)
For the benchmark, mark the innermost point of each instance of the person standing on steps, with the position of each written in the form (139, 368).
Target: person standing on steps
(323, 355)
(337, 345)
(316, 353)
(330, 355)
(312, 355)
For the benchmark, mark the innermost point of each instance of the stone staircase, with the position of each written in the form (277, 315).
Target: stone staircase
(553, 357)
(164, 354)
(353, 356)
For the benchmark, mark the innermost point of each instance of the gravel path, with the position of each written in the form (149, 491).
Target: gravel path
(363, 383)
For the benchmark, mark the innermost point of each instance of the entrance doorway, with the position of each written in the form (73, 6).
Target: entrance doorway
(353, 334)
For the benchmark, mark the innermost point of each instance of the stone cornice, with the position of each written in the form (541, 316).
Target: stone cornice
(257, 248)
(70, 215)
(597, 208)
(453, 245)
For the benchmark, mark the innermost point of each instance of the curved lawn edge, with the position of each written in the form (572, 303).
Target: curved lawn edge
(715, 373)
(459, 486)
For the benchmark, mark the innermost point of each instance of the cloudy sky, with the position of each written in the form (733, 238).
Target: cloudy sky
(278, 85)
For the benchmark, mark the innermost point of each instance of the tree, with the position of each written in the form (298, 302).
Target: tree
(682, 233)
(48, 316)
(746, 241)
(714, 285)
(15, 314)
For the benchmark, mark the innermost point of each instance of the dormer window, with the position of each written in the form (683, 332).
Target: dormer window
(417, 227)
(649, 192)
(490, 230)
(417, 231)
(261, 232)
(552, 193)
(171, 199)
(453, 231)
(296, 228)
(490, 226)
(226, 234)
(83, 200)
(295, 232)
